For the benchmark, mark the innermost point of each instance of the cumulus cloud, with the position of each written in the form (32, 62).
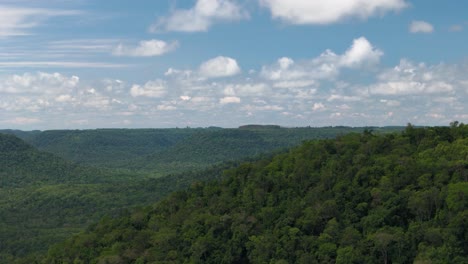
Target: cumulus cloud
(40, 83)
(200, 17)
(166, 107)
(64, 98)
(146, 48)
(344, 98)
(219, 67)
(408, 78)
(410, 87)
(288, 92)
(288, 74)
(51, 93)
(230, 100)
(361, 52)
(154, 89)
(249, 89)
(318, 107)
(421, 27)
(185, 98)
(328, 12)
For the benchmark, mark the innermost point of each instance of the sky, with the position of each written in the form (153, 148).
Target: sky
(84, 64)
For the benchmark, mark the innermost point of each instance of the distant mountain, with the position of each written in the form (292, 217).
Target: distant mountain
(361, 198)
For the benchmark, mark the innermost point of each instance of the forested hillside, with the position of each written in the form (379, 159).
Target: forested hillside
(45, 199)
(362, 198)
(104, 147)
(21, 165)
(157, 152)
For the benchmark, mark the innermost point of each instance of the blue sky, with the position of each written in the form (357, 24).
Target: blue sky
(176, 63)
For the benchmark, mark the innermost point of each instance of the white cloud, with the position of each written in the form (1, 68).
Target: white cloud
(343, 98)
(286, 73)
(361, 52)
(256, 108)
(64, 98)
(328, 12)
(256, 89)
(408, 78)
(410, 87)
(318, 107)
(166, 108)
(421, 27)
(200, 17)
(146, 48)
(288, 92)
(391, 103)
(40, 83)
(295, 84)
(219, 67)
(17, 21)
(154, 89)
(230, 100)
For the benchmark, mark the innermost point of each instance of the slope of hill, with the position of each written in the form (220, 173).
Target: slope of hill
(45, 199)
(21, 165)
(358, 199)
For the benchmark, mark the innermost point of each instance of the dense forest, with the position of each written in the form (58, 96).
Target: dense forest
(54, 184)
(156, 152)
(360, 198)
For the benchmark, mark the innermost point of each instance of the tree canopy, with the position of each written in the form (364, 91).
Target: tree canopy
(360, 198)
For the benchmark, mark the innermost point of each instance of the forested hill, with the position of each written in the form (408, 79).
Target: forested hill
(165, 151)
(45, 199)
(362, 198)
(103, 147)
(207, 147)
(22, 165)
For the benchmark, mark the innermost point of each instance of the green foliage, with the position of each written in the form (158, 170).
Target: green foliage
(362, 198)
(162, 151)
(45, 199)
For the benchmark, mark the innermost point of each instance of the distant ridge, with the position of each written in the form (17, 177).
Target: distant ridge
(253, 126)
(11, 143)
